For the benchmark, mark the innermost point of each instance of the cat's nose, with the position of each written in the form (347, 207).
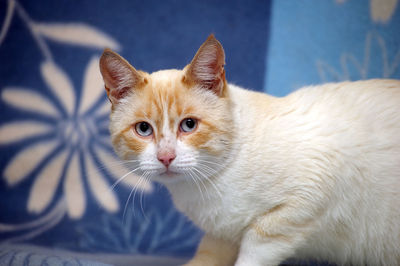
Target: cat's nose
(166, 157)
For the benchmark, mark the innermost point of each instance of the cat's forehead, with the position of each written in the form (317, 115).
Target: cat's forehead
(165, 84)
(166, 88)
(165, 96)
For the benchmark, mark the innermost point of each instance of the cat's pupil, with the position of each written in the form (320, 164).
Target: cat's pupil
(144, 127)
(190, 123)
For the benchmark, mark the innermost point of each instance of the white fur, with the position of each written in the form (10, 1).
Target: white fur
(313, 175)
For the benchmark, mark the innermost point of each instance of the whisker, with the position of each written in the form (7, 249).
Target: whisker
(145, 179)
(150, 164)
(221, 166)
(154, 169)
(209, 169)
(127, 202)
(194, 179)
(210, 181)
(209, 162)
(187, 161)
(133, 192)
(121, 179)
(208, 157)
(118, 163)
(99, 169)
(187, 179)
(201, 181)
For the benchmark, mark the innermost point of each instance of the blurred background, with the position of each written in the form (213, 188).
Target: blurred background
(59, 185)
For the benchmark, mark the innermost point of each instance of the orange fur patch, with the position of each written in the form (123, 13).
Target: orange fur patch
(134, 143)
(166, 94)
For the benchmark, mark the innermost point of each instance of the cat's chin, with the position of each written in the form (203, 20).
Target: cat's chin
(169, 177)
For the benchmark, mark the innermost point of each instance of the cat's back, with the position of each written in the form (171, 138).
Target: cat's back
(333, 99)
(355, 117)
(356, 109)
(376, 95)
(367, 110)
(369, 106)
(345, 138)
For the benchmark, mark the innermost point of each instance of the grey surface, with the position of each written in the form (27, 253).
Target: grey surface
(16, 255)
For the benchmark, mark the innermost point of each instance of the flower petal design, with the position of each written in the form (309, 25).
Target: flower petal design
(104, 125)
(45, 185)
(104, 109)
(60, 84)
(74, 190)
(76, 33)
(17, 131)
(118, 170)
(105, 141)
(93, 86)
(7, 21)
(382, 10)
(327, 72)
(29, 100)
(99, 186)
(27, 160)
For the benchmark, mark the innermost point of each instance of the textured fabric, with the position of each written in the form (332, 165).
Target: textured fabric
(56, 161)
(28, 255)
(326, 41)
(59, 176)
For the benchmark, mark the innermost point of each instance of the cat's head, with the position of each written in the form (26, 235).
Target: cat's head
(171, 124)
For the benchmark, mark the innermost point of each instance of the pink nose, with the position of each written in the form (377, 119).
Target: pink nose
(166, 157)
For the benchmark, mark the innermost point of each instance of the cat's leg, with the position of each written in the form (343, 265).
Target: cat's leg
(273, 238)
(214, 252)
(258, 250)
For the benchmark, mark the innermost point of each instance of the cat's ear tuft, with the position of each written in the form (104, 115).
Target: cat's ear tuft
(207, 67)
(118, 75)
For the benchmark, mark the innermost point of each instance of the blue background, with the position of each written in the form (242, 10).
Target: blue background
(271, 46)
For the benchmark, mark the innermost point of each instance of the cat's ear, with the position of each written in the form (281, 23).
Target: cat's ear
(207, 67)
(119, 76)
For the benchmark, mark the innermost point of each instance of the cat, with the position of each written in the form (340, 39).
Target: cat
(313, 175)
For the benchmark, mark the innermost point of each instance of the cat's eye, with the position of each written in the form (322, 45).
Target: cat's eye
(144, 129)
(188, 124)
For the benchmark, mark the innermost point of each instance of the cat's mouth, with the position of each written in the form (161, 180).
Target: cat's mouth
(170, 175)
(174, 172)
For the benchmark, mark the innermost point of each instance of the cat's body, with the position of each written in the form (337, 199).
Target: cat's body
(325, 158)
(315, 174)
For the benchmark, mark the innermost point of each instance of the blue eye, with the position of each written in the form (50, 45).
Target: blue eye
(188, 124)
(143, 129)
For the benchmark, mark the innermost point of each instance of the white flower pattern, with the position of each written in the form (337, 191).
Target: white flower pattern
(64, 144)
(381, 11)
(354, 68)
(75, 138)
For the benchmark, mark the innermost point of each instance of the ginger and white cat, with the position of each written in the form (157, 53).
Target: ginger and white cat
(315, 174)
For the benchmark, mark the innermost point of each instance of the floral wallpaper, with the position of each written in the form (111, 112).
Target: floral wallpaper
(61, 184)
(327, 41)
